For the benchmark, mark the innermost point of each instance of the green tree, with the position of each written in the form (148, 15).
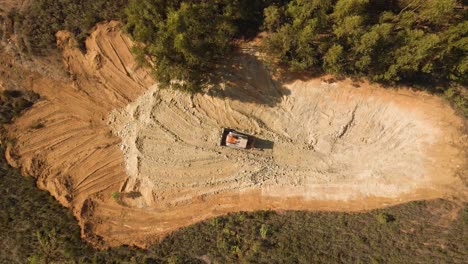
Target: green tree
(302, 39)
(183, 41)
(392, 41)
(263, 231)
(346, 8)
(333, 61)
(273, 18)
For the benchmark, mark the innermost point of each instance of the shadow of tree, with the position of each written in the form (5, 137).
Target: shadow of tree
(287, 75)
(243, 77)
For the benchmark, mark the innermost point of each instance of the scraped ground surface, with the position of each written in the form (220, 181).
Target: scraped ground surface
(321, 142)
(321, 145)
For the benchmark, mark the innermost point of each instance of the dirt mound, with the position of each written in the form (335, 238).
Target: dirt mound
(321, 146)
(64, 140)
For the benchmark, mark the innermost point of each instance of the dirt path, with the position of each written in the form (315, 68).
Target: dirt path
(323, 146)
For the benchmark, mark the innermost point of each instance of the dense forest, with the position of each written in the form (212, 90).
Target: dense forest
(413, 42)
(390, 41)
(409, 41)
(37, 25)
(185, 40)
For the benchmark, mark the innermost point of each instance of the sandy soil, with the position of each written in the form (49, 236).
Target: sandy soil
(321, 141)
(322, 146)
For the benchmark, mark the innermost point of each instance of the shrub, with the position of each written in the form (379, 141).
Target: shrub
(458, 97)
(116, 196)
(384, 218)
(263, 231)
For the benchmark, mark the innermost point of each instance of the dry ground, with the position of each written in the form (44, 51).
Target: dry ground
(324, 146)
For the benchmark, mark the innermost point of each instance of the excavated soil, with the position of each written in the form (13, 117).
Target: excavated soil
(320, 145)
(319, 141)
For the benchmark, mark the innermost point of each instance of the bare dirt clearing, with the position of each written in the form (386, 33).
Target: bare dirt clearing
(324, 146)
(328, 142)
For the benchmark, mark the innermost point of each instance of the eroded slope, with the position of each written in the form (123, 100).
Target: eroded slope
(63, 140)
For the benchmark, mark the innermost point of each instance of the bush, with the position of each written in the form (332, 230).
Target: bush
(458, 97)
(13, 102)
(263, 231)
(384, 218)
(116, 196)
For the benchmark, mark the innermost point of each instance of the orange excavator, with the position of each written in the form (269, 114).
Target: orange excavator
(234, 139)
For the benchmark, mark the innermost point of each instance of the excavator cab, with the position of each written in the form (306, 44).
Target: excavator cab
(234, 139)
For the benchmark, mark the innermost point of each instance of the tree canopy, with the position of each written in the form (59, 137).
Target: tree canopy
(37, 25)
(183, 41)
(401, 40)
